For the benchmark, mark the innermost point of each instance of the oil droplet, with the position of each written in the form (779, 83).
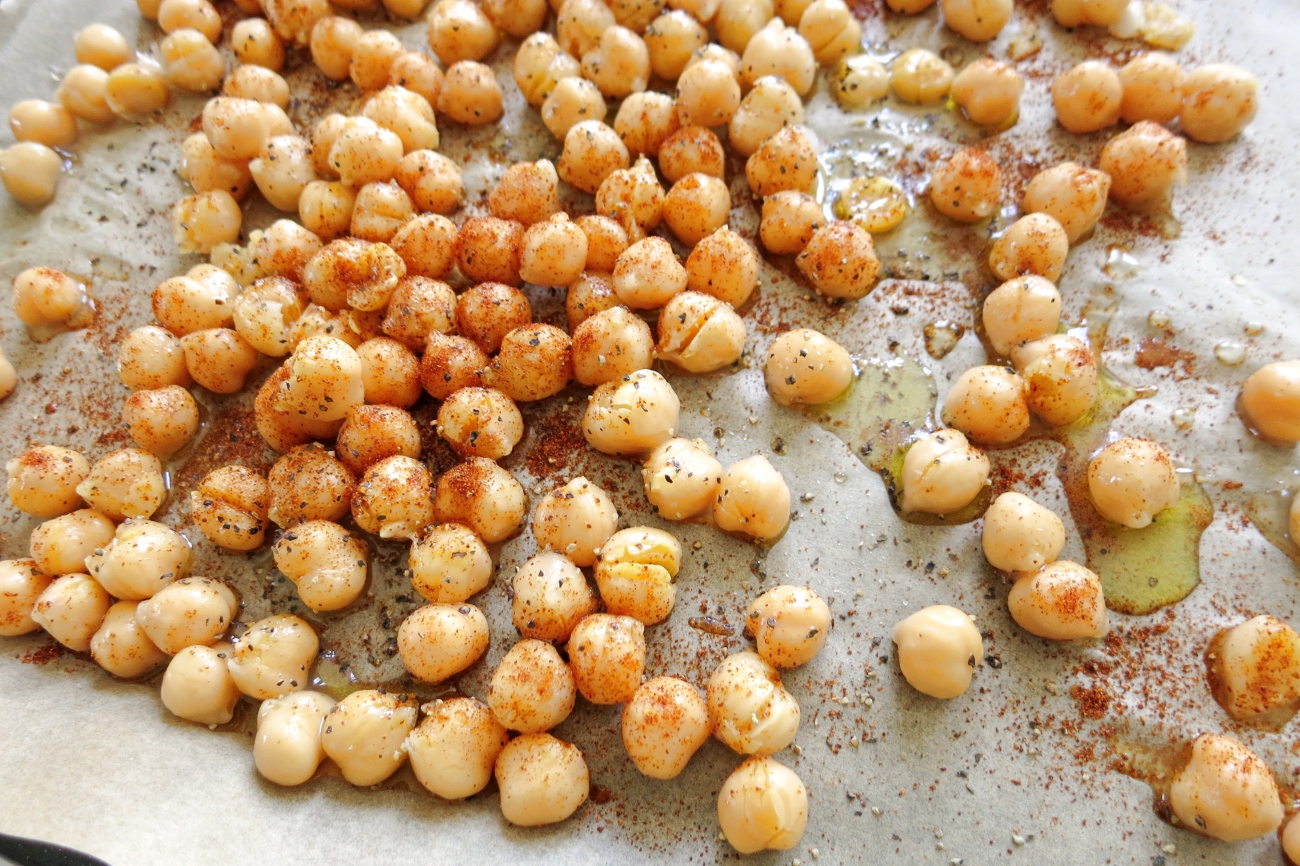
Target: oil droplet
(1184, 418)
(1158, 319)
(1230, 353)
(334, 678)
(1238, 280)
(942, 337)
(1120, 263)
(840, 477)
(1253, 329)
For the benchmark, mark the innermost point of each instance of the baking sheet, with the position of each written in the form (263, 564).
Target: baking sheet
(1020, 767)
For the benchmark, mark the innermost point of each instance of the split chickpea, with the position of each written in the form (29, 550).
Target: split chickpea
(123, 483)
(611, 344)
(455, 747)
(540, 64)
(549, 595)
(635, 573)
(332, 41)
(575, 520)
(438, 641)
(1131, 481)
(663, 726)
(1061, 372)
(938, 650)
(394, 498)
(632, 194)
(632, 415)
(700, 333)
(750, 710)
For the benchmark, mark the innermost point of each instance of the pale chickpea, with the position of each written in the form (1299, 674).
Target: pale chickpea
(942, 473)
(592, 151)
(271, 658)
(230, 507)
(487, 312)
(781, 51)
(325, 380)
(379, 211)
(528, 193)
(1219, 101)
(190, 62)
(749, 708)
(489, 250)
(162, 421)
(418, 74)
(989, 405)
(459, 30)
(137, 89)
(255, 43)
(333, 40)
(1270, 401)
(738, 21)
(285, 429)
(8, 376)
(696, 206)
(1021, 535)
(30, 172)
(671, 39)
(43, 480)
(611, 344)
(1061, 371)
(257, 83)
(102, 46)
(1073, 13)
(470, 94)
(645, 121)
(631, 416)
(428, 244)
(121, 647)
(1145, 163)
(1034, 244)
(966, 186)
(858, 81)
(204, 220)
(540, 64)
(700, 333)
(1087, 97)
(988, 92)
(449, 564)
(204, 170)
(517, 18)
(364, 732)
(325, 208)
(789, 220)
(977, 20)
(663, 726)
(840, 260)
(308, 483)
(576, 520)
(364, 152)
(1152, 88)
(723, 265)
(590, 294)
(543, 780)
(192, 611)
(324, 561)
(1073, 195)
(770, 105)
(483, 496)
(455, 747)
(708, 94)
(21, 585)
(197, 685)
(61, 544)
(829, 28)
(647, 274)
(1021, 309)
(480, 422)
(636, 15)
(938, 650)
(438, 641)
(373, 55)
(579, 23)
(450, 363)
(753, 500)
(532, 689)
(1131, 481)
(786, 161)
(689, 150)
(807, 367)
(405, 113)
(43, 122)
(1225, 791)
(701, 10)
(45, 297)
(920, 77)
(635, 573)
(82, 92)
(762, 806)
(238, 129)
(789, 625)
(534, 363)
(71, 610)
(201, 15)
(263, 313)
(632, 194)
(1060, 601)
(287, 750)
(553, 252)
(1253, 667)
(681, 478)
(549, 595)
(142, 558)
(619, 64)
(123, 483)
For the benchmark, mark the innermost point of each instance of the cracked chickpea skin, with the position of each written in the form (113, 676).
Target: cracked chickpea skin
(635, 573)
(749, 709)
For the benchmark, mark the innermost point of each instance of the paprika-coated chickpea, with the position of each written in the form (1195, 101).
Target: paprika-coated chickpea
(840, 260)
(364, 733)
(664, 725)
(543, 780)
(549, 595)
(1034, 244)
(611, 344)
(966, 186)
(438, 641)
(1087, 97)
(483, 496)
(61, 544)
(607, 655)
(449, 564)
(453, 750)
(532, 689)
(751, 710)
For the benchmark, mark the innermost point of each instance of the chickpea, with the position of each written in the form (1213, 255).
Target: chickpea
(82, 92)
(364, 152)
(406, 114)
(1062, 376)
(527, 193)
(1270, 401)
(647, 274)
(287, 750)
(966, 186)
(45, 297)
(255, 43)
(1021, 309)
(308, 483)
(454, 749)
(592, 151)
(438, 641)
(701, 10)
(1152, 88)
(418, 74)
(238, 129)
(549, 595)
(8, 376)
(1253, 667)
(671, 39)
(591, 294)
(553, 253)
(942, 473)
(540, 64)
(786, 161)
(534, 363)
(543, 780)
(753, 500)
(631, 416)
(404, 8)
(490, 249)
(30, 172)
(431, 180)
(1020, 535)
(459, 30)
(121, 647)
(723, 265)
(390, 373)
(840, 260)
(219, 360)
(230, 507)
(449, 564)
(1225, 791)
(333, 40)
(281, 429)
(1034, 244)
(1073, 195)
(325, 563)
(830, 29)
(708, 94)
(989, 405)
(21, 586)
(920, 77)
(532, 689)
(1131, 481)
(123, 483)
(790, 218)
(174, 15)
(1144, 163)
(739, 21)
(470, 94)
(71, 609)
(449, 364)
(749, 709)
(611, 344)
(988, 92)
(197, 686)
(137, 89)
(1087, 97)
(325, 208)
(428, 245)
(1219, 101)
(198, 301)
(977, 20)
(789, 625)
(263, 313)
(689, 150)
(619, 64)
(325, 380)
(517, 18)
(364, 732)
(1102, 13)
(858, 81)
(769, 106)
(204, 170)
(43, 480)
(373, 55)
(486, 313)
(162, 421)
(352, 273)
(480, 422)
(635, 573)
(271, 658)
(102, 46)
(580, 23)
(632, 194)
(483, 496)
(700, 333)
(645, 121)
(189, 62)
(576, 520)
(142, 558)
(294, 19)
(781, 51)
(695, 207)
(607, 654)
(681, 478)
(664, 723)
(762, 806)
(938, 649)
(61, 544)
(283, 171)
(380, 210)
(806, 367)
(43, 122)
(192, 611)
(204, 220)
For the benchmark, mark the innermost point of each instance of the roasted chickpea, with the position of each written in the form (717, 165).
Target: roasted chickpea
(590, 294)
(325, 380)
(1062, 375)
(480, 422)
(576, 520)
(920, 77)
(696, 206)
(428, 245)
(449, 364)
(607, 654)
(528, 193)
(162, 421)
(1021, 309)
(47, 298)
(271, 658)
(532, 689)
(219, 360)
(635, 573)
(418, 74)
(1219, 101)
(1144, 164)
(230, 507)
(786, 161)
(723, 265)
(21, 585)
(689, 150)
(204, 170)
(282, 429)
(840, 260)
(549, 596)
(1034, 244)
(189, 62)
(858, 81)
(1270, 401)
(193, 611)
(977, 20)
(782, 51)
(449, 564)
(102, 46)
(1087, 97)
(632, 196)
(483, 496)
(579, 24)
(61, 544)
(671, 39)
(534, 363)
(142, 558)
(373, 55)
(460, 30)
(592, 151)
(255, 43)
(831, 30)
(647, 274)
(708, 94)
(1021, 535)
(454, 749)
(71, 610)
(287, 750)
(393, 499)
(470, 94)
(681, 478)
(804, 366)
(438, 641)
(490, 249)
(789, 625)
(738, 21)
(123, 483)
(942, 473)
(770, 105)
(663, 726)
(1225, 791)
(308, 483)
(333, 40)
(363, 734)
(44, 481)
(633, 415)
(1073, 195)
(938, 649)
(1252, 667)
(1152, 88)
(989, 405)
(988, 91)
(572, 101)
(700, 333)
(619, 64)
(540, 64)
(762, 806)
(1131, 481)
(325, 563)
(543, 780)
(789, 220)
(121, 647)
(966, 186)
(552, 253)
(749, 708)
(197, 685)
(406, 114)
(609, 345)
